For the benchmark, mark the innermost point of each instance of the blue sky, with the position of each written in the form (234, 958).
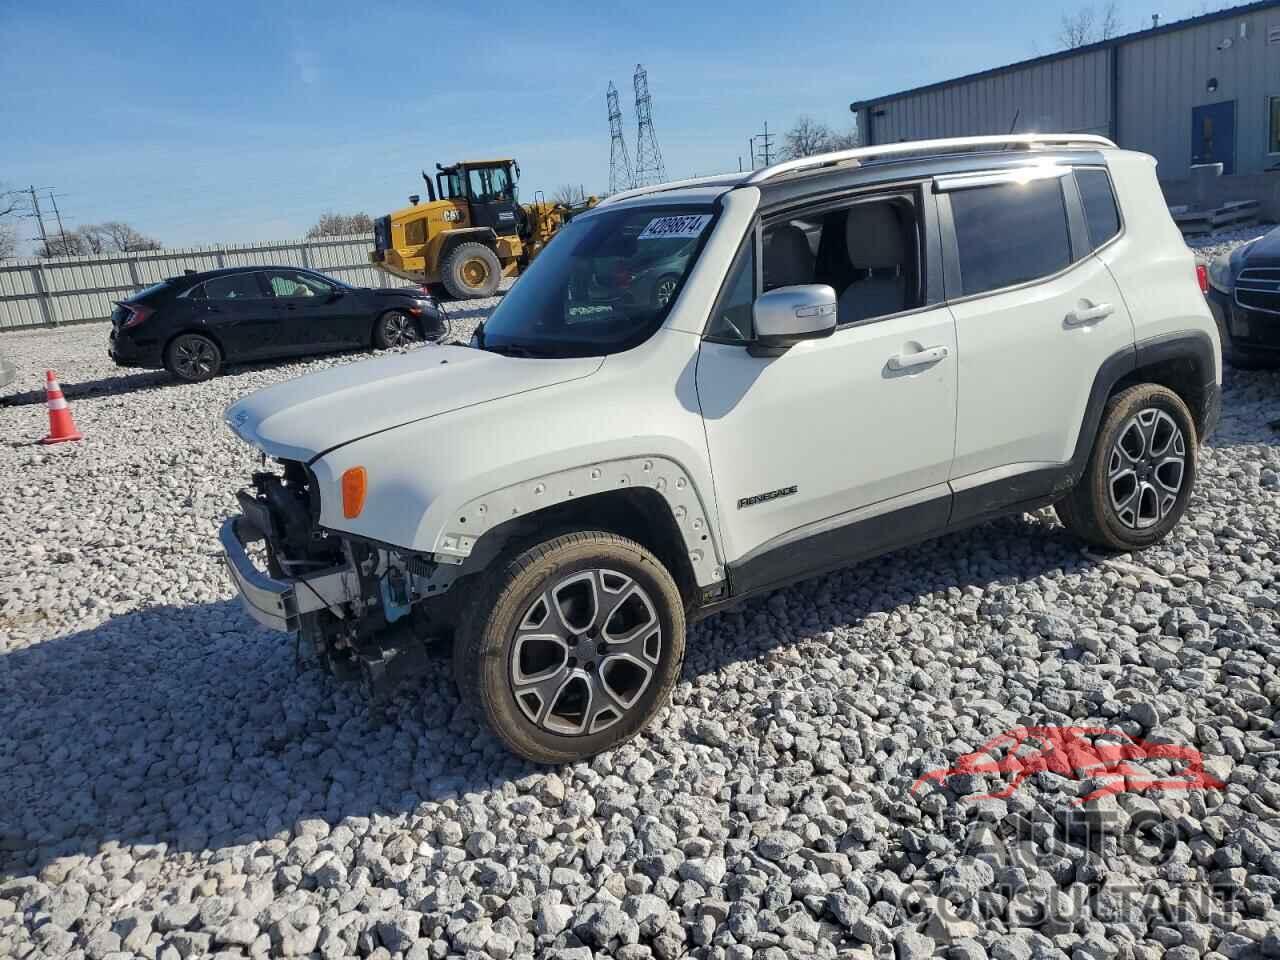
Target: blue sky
(233, 121)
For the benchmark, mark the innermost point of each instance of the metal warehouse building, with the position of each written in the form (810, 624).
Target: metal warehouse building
(1202, 90)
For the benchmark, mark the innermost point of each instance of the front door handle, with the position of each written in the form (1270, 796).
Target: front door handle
(1088, 314)
(921, 358)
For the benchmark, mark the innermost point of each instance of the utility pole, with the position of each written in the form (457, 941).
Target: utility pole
(61, 232)
(35, 205)
(766, 144)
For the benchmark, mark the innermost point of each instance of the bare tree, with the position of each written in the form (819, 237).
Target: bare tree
(844, 141)
(11, 206)
(805, 138)
(112, 236)
(567, 194)
(1088, 25)
(333, 224)
(121, 237)
(64, 245)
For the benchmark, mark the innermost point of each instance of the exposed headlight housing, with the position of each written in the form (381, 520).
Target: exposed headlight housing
(1220, 273)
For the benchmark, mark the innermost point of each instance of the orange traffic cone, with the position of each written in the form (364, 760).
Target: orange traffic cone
(61, 426)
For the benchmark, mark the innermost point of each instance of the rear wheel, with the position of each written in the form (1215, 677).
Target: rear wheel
(572, 646)
(193, 357)
(1140, 473)
(472, 270)
(395, 328)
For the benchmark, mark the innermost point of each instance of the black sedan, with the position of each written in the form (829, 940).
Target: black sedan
(1244, 295)
(193, 324)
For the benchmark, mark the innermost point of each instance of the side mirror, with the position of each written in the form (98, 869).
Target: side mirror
(787, 315)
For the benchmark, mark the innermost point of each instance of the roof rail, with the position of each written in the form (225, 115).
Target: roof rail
(713, 180)
(1021, 140)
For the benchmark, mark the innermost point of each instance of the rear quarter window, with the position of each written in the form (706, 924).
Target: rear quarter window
(1099, 201)
(1010, 233)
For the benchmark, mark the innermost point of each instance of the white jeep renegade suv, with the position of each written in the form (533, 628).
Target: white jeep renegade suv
(705, 390)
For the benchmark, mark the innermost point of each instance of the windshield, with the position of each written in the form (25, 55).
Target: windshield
(603, 285)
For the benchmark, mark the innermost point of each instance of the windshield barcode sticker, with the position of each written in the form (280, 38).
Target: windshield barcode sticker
(666, 228)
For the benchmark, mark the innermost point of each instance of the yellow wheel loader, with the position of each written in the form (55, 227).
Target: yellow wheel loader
(470, 233)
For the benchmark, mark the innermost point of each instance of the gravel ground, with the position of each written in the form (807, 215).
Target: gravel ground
(1223, 241)
(173, 784)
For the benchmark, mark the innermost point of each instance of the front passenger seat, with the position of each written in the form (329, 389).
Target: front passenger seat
(876, 244)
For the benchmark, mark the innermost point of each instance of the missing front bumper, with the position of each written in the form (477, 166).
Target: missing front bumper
(279, 604)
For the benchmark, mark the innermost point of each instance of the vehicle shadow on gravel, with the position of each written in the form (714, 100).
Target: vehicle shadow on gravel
(190, 726)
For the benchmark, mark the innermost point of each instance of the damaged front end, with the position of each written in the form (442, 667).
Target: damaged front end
(361, 606)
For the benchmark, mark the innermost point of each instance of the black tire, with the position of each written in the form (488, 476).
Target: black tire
(1127, 498)
(193, 357)
(395, 328)
(491, 654)
(470, 271)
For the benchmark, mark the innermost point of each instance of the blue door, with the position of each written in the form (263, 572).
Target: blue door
(1213, 134)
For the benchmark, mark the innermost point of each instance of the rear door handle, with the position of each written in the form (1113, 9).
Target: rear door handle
(1083, 315)
(921, 358)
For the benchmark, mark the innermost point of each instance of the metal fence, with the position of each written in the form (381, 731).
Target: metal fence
(35, 293)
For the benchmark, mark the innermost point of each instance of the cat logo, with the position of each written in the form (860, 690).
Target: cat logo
(452, 216)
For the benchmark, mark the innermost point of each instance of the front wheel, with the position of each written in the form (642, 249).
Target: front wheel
(472, 270)
(395, 328)
(1139, 477)
(572, 646)
(193, 357)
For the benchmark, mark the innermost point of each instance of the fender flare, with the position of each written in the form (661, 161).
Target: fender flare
(453, 238)
(1192, 346)
(454, 543)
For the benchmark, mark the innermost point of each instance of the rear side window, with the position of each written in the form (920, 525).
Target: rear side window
(237, 286)
(1010, 233)
(1099, 205)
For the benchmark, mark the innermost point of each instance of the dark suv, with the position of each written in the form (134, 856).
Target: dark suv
(191, 325)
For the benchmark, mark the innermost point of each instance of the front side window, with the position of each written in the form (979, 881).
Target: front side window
(490, 183)
(867, 251)
(603, 285)
(236, 286)
(1010, 233)
(291, 285)
(1099, 201)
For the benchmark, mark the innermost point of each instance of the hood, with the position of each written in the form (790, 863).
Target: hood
(1262, 252)
(303, 418)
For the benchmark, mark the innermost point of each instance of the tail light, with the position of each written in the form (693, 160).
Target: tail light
(1202, 276)
(137, 314)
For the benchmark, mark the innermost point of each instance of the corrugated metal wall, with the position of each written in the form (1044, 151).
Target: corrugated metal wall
(1072, 95)
(1163, 77)
(73, 289)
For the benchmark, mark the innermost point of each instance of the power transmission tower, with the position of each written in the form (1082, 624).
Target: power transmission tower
(619, 163)
(764, 141)
(649, 166)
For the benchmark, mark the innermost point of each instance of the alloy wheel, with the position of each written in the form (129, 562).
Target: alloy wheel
(664, 290)
(584, 652)
(194, 358)
(398, 330)
(1146, 469)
